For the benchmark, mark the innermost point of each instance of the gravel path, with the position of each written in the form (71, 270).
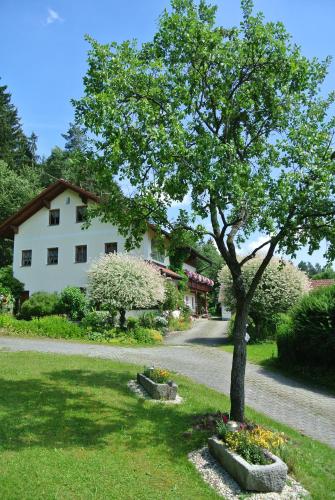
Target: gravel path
(203, 332)
(309, 411)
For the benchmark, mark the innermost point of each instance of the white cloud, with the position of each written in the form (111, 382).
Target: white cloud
(53, 16)
(252, 245)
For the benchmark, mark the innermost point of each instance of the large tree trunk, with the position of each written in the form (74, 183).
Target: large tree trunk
(239, 362)
(122, 320)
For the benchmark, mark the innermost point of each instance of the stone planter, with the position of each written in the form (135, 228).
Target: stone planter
(261, 478)
(166, 391)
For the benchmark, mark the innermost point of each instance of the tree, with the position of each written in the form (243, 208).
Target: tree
(15, 148)
(75, 138)
(327, 273)
(15, 190)
(280, 288)
(309, 269)
(124, 282)
(231, 117)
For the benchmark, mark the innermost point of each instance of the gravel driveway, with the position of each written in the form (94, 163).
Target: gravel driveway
(310, 412)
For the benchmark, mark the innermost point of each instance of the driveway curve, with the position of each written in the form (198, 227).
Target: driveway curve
(309, 411)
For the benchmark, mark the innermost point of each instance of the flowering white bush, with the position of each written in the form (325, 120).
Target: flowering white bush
(281, 287)
(123, 282)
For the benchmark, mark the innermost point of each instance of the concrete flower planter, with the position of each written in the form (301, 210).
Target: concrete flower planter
(261, 478)
(158, 391)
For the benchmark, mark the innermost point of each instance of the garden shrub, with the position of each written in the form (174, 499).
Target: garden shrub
(48, 326)
(6, 299)
(98, 321)
(146, 335)
(148, 319)
(308, 338)
(138, 335)
(132, 323)
(73, 302)
(7, 280)
(179, 324)
(125, 282)
(173, 297)
(40, 304)
(281, 286)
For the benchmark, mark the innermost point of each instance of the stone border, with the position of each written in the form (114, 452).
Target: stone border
(251, 477)
(166, 391)
(141, 393)
(225, 486)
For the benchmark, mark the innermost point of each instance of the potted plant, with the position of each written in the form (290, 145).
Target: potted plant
(157, 382)
(245, 452)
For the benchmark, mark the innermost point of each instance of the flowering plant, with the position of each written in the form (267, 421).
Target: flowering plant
(6, 299)
(250, 441)
(158, 375)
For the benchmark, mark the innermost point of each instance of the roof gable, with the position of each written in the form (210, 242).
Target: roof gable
(10, 226)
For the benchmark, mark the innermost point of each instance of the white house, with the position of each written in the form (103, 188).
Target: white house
(52, 250)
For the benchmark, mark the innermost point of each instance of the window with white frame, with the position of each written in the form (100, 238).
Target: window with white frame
(26, 258)
(157, 251)
(52, 256)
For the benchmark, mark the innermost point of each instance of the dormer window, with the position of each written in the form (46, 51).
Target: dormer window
(81, 213)
(54, 217)
(157, 252)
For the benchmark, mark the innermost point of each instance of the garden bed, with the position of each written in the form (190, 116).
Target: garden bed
(157, 390)
(251, 477)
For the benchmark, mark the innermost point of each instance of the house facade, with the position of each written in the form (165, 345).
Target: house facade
(52, 249)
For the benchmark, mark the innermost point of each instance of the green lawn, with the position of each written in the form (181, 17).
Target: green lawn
(258, 353)
(265, 354)
(70, 429)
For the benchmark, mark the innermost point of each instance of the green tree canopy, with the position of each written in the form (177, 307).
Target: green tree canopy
(280, 288)
(234, 118)
(15, 148)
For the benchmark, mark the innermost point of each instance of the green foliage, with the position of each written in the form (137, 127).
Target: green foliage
(132, 323)
(179, 324)
(232, 117)
(138, 335)
(6, 299)
(98, 321)
(73, 302)
(48, 326)
(158, 375)
(317, 272)
(16, 149)
(148, 319)
(327, 274)
(173, 297)
(7, 280)
(39, 304)
(250, 451)
(307, 338)
(309, 268)
(281, 286)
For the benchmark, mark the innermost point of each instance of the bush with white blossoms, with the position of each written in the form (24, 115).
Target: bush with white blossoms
(281, 287)
(123, 282)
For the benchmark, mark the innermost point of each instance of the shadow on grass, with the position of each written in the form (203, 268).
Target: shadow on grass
(91, 409)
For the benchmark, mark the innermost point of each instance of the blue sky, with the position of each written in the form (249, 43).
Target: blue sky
(43, 52)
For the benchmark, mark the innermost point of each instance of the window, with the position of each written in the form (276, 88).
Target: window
(54, 217)
(81, 253)
(157, 252)
(26, 258)
(81, 213)
(52, 256)
(110, 247)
